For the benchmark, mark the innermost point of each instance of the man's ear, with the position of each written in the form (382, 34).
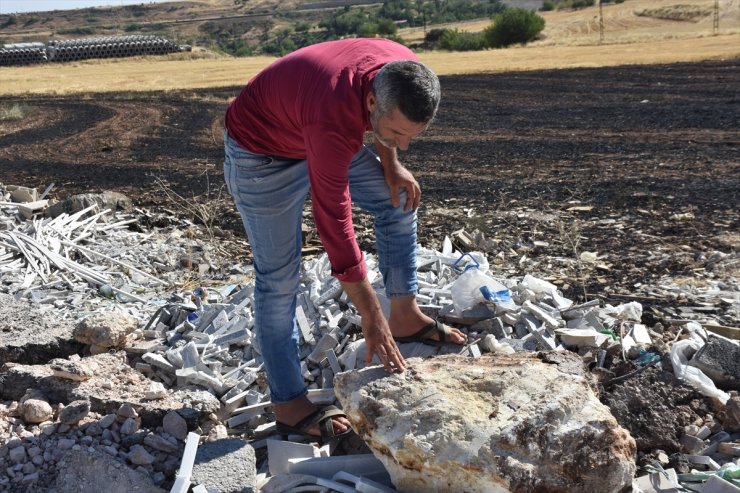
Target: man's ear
(371, 101)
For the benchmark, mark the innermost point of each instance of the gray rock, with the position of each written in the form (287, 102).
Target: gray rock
(105, 329)
(30, 478)
(175, 425)
(17, 455)
(65, 443)
(36, 411)
(127, 411)
(226, 465)
(139, 456)
(71, 370)
(129, 426)
(159, 443)
(74, 412)
(49, 429)
(520, 422)
(93, 429)
(134, 439)
(14, 442)
(107, 420)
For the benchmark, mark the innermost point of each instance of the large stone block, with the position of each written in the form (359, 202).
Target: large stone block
(500, 423)
(105, 329)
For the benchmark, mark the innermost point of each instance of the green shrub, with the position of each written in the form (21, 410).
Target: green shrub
(580, 4)
(434, 35)
(387, 27)
(244, 50)
(513, 26)
(548, 5)
(455, 40)
(302, 27)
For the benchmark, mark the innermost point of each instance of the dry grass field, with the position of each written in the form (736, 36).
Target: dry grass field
(570, 39)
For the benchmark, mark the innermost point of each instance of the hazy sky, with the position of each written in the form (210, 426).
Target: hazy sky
(11, 6)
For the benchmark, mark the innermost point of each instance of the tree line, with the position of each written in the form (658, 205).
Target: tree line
(508, 26)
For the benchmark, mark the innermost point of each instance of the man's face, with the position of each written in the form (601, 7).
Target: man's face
(392, 129)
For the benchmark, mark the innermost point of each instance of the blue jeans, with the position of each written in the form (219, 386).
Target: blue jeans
(270, 193)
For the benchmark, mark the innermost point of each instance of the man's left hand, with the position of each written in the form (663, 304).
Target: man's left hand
(398, 177)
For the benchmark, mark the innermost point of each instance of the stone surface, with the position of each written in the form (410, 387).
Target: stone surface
(730, 415)
(126, 385)
(719, 359)
(105, 329)
(227, 466)
(74, 412)
(83, 471)
(129, 426)
(30, 337)
(175, 425)
(139, 456)
(36, 411)
(522, 422)
(78, 371)
(105, 200)
(159, 443)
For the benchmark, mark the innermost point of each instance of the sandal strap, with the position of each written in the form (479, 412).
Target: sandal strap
(445, 333)
(322, 419)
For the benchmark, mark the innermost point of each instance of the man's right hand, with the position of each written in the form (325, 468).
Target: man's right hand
(375, 329)
(378, 340)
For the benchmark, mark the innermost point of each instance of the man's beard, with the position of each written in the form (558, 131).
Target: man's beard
(374, 116)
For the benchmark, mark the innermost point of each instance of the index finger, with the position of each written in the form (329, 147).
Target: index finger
(396, 358)
(394, 196)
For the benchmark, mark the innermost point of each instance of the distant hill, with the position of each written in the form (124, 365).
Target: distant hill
(234, 26)
(205, 22)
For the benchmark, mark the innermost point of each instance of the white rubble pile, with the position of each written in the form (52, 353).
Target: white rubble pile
(208, 342)
(93, 259)
(207, 339)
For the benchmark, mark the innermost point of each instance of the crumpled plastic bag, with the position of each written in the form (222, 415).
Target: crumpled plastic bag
(690, 374)
(629, 311)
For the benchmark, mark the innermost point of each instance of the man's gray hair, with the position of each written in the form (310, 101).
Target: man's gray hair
(409, 86)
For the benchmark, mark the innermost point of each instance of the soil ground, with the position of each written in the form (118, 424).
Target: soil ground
(509, 154)
(617, 182)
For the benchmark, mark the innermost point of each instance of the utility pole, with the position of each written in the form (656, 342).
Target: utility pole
(601, 21)
(715, 24)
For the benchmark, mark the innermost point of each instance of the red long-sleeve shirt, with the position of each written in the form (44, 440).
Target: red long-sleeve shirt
(311, 104)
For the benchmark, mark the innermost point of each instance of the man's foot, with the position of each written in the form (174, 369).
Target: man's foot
(407, 320)
(408, 328)
(293, 412)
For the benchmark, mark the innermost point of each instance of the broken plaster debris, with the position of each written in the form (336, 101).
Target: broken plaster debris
(204, 338)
